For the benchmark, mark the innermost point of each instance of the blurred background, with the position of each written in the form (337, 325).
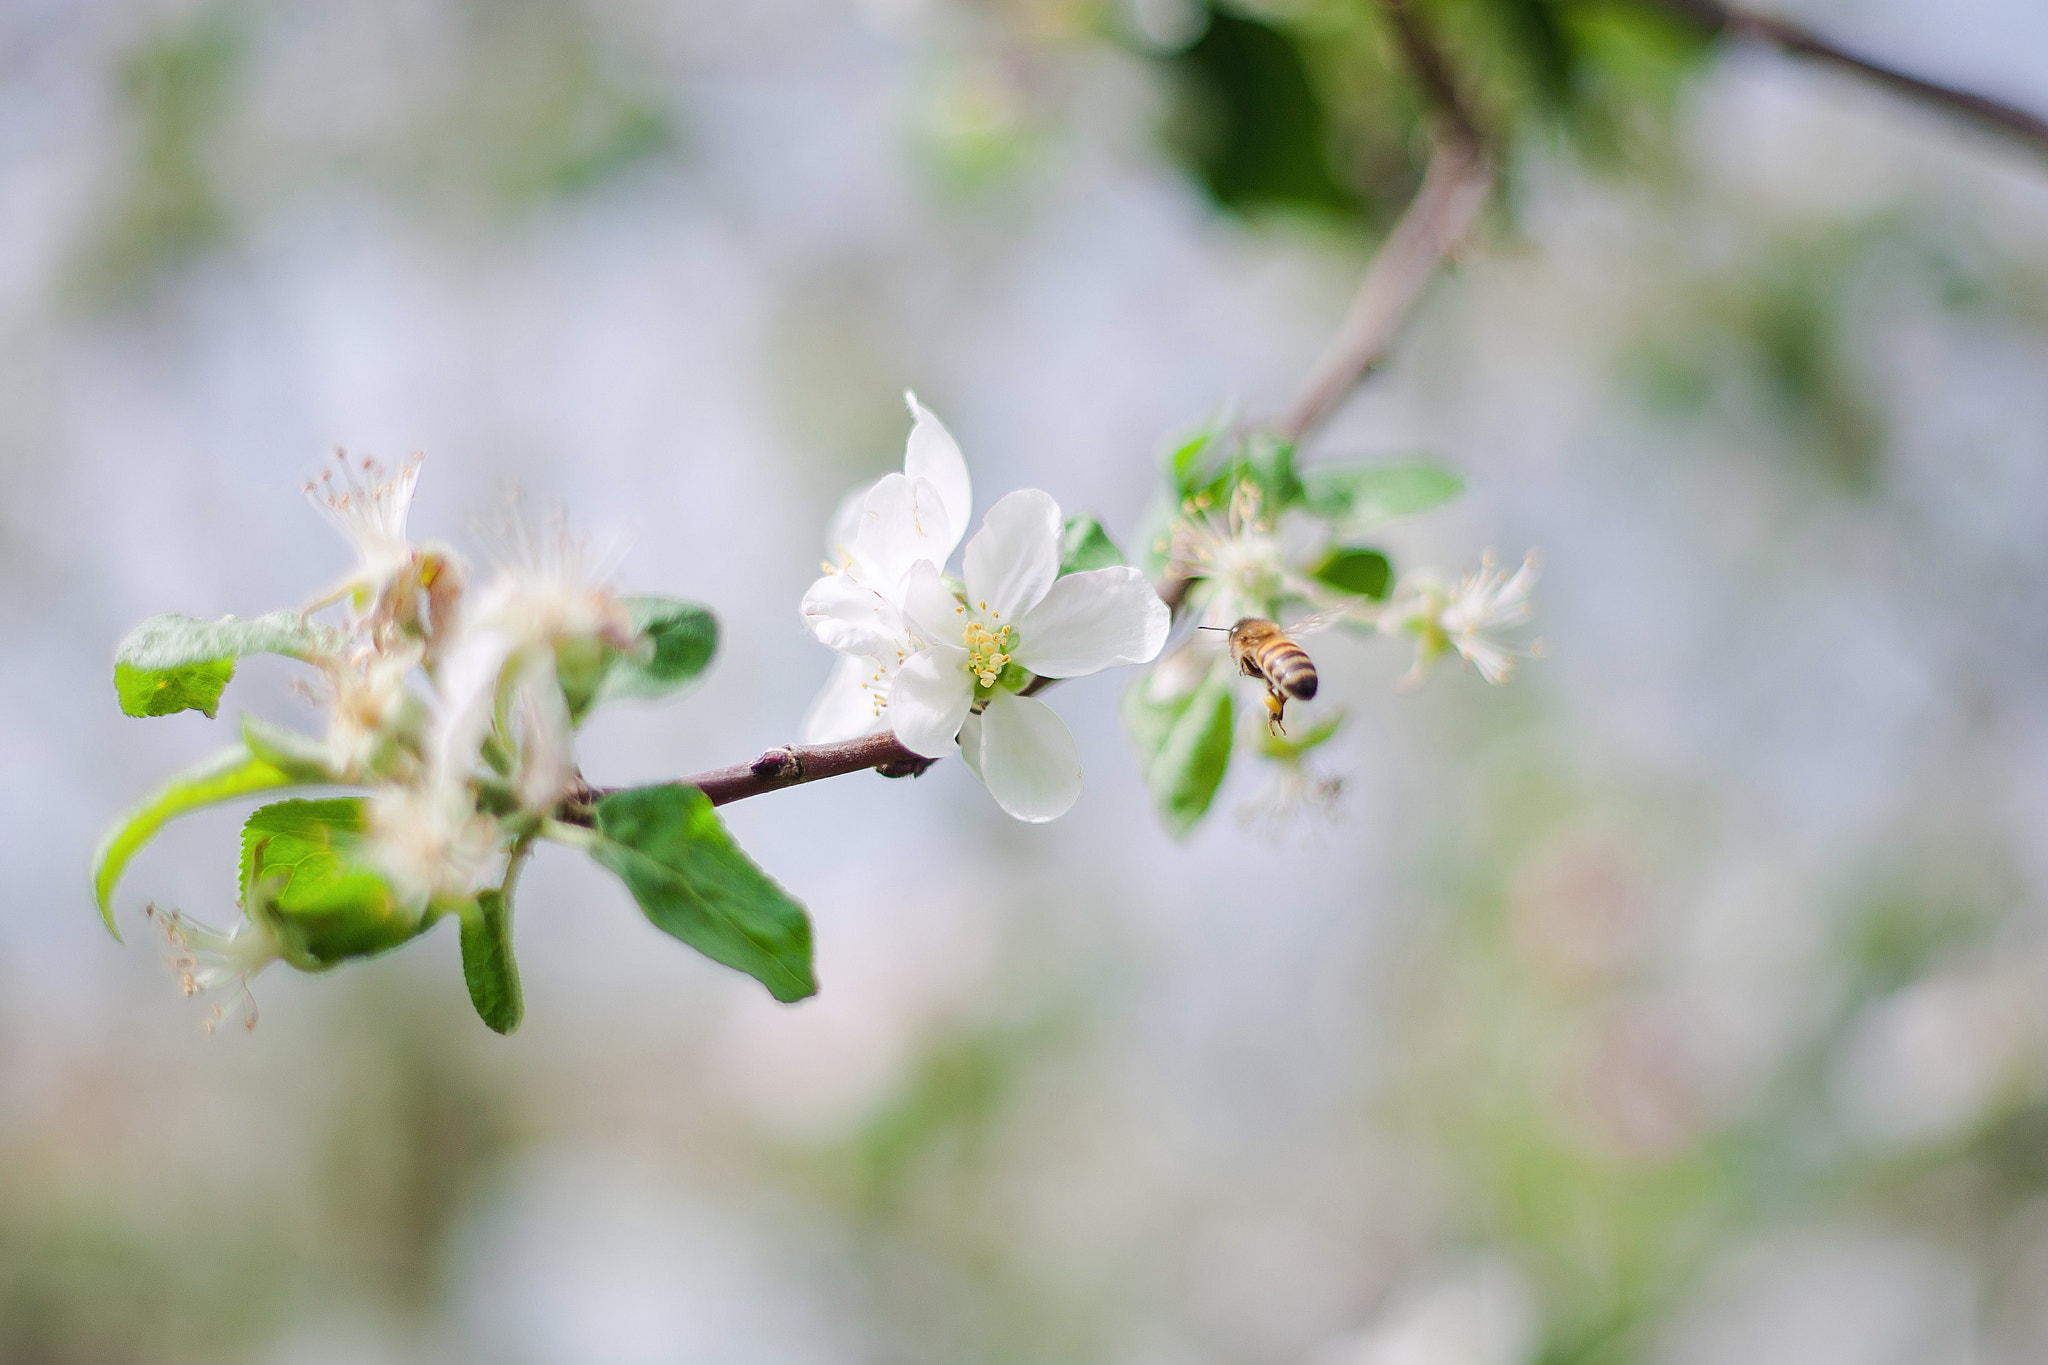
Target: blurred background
(1685, 1002)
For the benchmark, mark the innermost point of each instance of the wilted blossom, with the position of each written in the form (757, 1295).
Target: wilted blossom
(1477, 618)
(210, 960)
(1242, 561)
(445, 701)
(942, 662)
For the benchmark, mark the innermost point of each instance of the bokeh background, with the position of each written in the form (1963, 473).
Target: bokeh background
(1685, 1002)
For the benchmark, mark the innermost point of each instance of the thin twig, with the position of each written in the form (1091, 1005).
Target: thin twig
(1454, 189)
(789, 766)
(1799, 41)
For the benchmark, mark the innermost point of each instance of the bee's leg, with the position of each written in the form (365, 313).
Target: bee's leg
(1276, 707)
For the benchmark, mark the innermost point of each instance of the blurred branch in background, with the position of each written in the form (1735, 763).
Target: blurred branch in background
(1804, 42)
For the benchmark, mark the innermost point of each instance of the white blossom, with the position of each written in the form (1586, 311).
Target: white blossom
(368, 505)
(1016, 616)
(1476, 617)
(877, 535)
(430, 842)
(1243, 562)
(211, 960)
(368, 707)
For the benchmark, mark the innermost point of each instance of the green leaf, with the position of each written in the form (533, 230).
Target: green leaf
(1358, 571)
(1269, 463)
(1252, 124)
(303, 876)
(677, 642)
(487, 966)
(231, 773)
(1087, 546)
(1290, 749)
(301, 757)
(1360, 498)
(177, 663)
(1187, 464)
(669, 847)
(1184, 744)
(189, 687)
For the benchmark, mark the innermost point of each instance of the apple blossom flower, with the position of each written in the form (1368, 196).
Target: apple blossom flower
(369, 707)
(856, 607)
(1244, 563)
(1473, 618)
(369, 508)
(1017, 617)
(430, 842)
(209, 960)
(548, 617)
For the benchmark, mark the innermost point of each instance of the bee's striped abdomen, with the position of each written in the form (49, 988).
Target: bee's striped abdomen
(1286, 665)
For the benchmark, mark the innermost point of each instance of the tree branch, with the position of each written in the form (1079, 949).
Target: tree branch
(1454, 189)
(1799, 41)
(789, 766)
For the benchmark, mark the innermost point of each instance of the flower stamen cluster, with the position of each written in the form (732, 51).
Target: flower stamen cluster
(989, 651)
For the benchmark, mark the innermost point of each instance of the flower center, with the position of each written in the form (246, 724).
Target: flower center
(989, 651)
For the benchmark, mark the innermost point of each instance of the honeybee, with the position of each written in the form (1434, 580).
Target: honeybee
(1264, 649)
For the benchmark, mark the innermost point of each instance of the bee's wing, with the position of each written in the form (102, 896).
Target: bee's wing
(1322, 620)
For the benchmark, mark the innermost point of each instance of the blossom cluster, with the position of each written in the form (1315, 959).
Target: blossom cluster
(450, 700)
(451, 695)
(1249, 537)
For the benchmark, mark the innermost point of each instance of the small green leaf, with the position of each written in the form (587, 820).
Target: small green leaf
(301, 757)
(1087, 546)
(677, 642)
(669, 847)
(189, 687)
(177, 663)
(303, 875)
(1365, 572)
(1360, 498)
(1269, 463)
(487, 966)
(1188, 462)
(231, 773)
(1184, 745)
(1290, 749)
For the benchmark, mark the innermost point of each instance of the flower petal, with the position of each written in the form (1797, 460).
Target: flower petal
(1015, 555)
(929, 700)
(970, 744)
(846, 708)
(845, 523)
(902, 521)
(854, 619)
(929, 606)
(933, 455)
(1090, 621)
(1028, 760)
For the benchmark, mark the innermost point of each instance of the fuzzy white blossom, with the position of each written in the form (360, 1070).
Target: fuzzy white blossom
(1478, 618)
(369, 506)
(430, 842)
(211, 961)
